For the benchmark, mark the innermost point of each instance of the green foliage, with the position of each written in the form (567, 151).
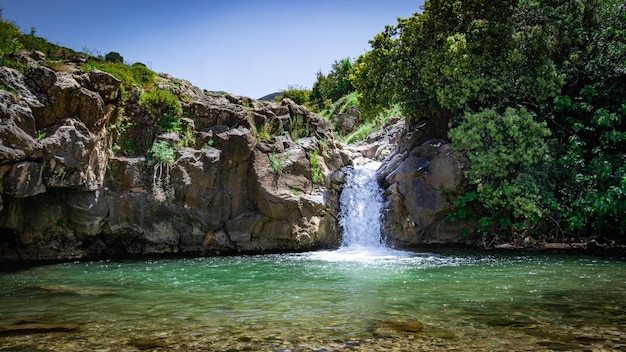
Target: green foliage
(507, 153)
(119, 129)
(536, 95)
(298, 128)
(134, 75)
(593, 183)
(341, 105)
(10, 39)
(333, 86)
(40, 135)
(360, 134)
(299, 95)
(170, 123)
(207, 145)
(114, 57)
(371, 125)
(264, 133)
(161, 102)
(187, 137)
(143, 76)
(457, 54)
(504, 151)
(277, 163)
(317, 176)
(61, 222)
(8, 89)
(162, 153)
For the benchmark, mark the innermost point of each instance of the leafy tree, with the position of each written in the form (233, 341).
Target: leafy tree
(534, 91)
(588, 116)
(456, 55)
(374, 73)
(114, 57)
(331, 87)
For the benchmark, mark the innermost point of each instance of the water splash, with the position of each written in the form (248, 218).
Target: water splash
(361, 204)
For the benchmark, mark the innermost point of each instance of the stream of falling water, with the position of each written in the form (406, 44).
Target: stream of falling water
(361, 205)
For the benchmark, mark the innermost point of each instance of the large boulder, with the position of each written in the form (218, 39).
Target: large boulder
(348, 121)
(421, 183)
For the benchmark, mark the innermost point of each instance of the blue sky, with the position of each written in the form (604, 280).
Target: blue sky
(244, 47)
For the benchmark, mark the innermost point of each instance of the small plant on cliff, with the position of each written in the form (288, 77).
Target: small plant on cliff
(40, 135)
(277, 163)
(160, 102)
(264, 133)
(360, 134)
(161, 153)
(170, 123)
(298, 128)
(187, 138)
(316, 171)
(9, 89)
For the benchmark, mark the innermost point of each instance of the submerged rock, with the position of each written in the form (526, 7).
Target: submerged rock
(27, 328)
(401, 326)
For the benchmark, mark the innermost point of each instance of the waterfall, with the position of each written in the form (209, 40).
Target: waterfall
(361, 205)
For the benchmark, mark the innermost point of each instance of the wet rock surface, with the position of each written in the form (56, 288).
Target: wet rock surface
(420, 183)
(421, 178)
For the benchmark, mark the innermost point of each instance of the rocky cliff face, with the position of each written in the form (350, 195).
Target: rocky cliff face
(235, 185)
(421, 179)
(80, 177)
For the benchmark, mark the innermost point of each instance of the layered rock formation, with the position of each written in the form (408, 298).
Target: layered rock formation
(421, 179)
(67, 191)
(79, 177)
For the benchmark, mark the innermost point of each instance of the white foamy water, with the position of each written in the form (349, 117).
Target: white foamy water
(361, 205)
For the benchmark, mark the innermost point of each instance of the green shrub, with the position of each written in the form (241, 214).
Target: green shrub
(340, 105)
(506, 153)
(160, 102)
(9, 38)
(298, 128)
(134, 75)
(162, 153)
(333, 86)
(316, 171)
(114, 57)
(187, 138)
(264, 133)
(142, 74)
(277, 163)
(170, 123)
(298, 95)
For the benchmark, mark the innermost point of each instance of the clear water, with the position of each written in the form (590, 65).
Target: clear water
(355, 300)
(362, 297)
